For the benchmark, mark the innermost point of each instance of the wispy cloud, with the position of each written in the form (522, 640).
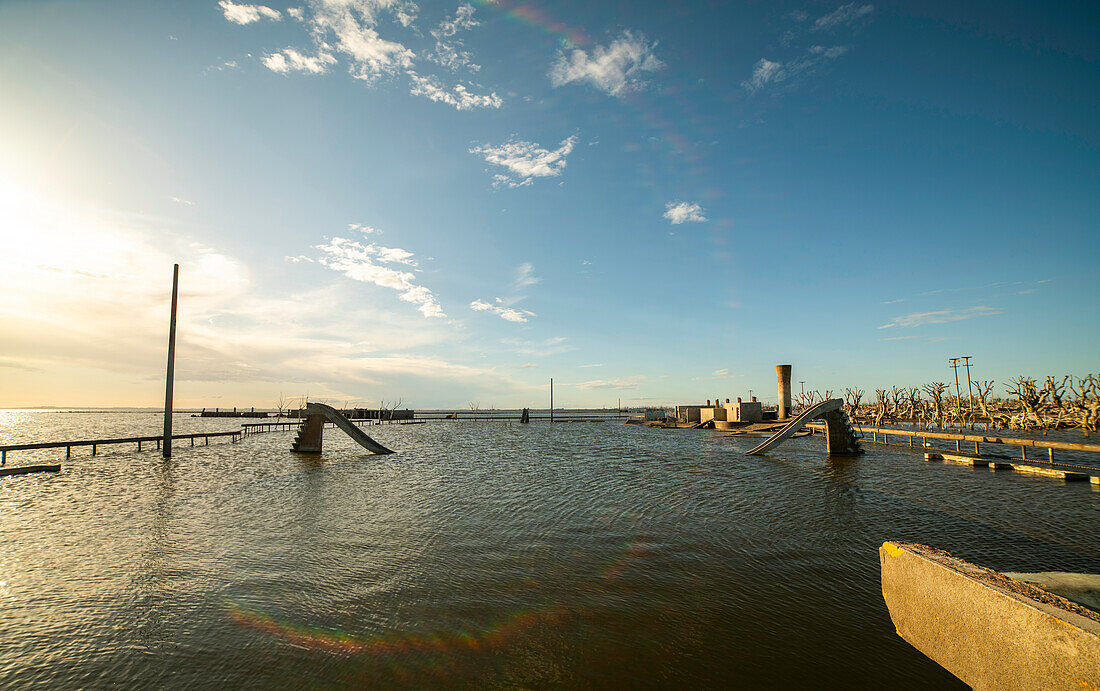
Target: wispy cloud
(525, 276)
(347, 28)
(893, 302)
(290, 60)
(594, 364)
(184, 202)
(941, 316)
(784, 72)
(361, 263)
(684, 212)
(615, 69)
(772, 73)
(527, 365)
(843, 16)
(549, 346)
(616, 384)
(501, 310)
(525, 160)
(459, 97)
(449, 50)
(246, 14)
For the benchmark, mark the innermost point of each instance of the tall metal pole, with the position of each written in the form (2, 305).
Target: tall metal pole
(551, 399)
(167, 445)
(955, 366)
(969, 384)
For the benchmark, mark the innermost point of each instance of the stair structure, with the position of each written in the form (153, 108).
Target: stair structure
(310, 431)
(839, 437)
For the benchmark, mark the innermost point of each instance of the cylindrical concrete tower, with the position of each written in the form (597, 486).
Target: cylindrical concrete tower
(783, 374)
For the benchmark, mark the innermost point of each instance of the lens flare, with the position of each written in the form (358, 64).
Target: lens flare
(446, 642)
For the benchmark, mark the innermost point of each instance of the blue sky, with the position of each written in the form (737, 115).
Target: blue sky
(454, 202)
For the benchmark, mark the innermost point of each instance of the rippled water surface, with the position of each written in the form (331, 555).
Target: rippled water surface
(490, 555)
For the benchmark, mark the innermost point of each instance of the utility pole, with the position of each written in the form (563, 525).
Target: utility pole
(969, 385)
(551, 399)
(801, 384)
(955, 366)
(166, 446)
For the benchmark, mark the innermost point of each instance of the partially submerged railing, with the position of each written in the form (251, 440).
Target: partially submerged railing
(96, 443)
(975, 439)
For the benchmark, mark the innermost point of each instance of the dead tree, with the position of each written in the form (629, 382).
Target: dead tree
(851, 401)
(935, 392)
(1029, 400)
(1086, 402)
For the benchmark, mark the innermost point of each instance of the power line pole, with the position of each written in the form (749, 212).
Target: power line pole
(551, 399)
(802, 386)
(166, 446)
(969, 384)
(955, 366)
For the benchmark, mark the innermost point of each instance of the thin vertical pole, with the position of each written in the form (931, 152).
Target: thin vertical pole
(969, 384)
(955, 366)
(167, 446)
(551, 399)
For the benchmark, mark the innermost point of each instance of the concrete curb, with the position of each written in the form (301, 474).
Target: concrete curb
(989, 630)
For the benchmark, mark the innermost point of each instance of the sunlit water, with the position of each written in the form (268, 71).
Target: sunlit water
(490, 555)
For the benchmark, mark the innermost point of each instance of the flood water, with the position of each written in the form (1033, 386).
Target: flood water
(491, 555)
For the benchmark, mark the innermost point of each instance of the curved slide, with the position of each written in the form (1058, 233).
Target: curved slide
(352, 430)
(797, 424)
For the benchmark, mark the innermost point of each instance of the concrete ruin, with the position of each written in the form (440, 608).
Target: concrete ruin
(989, 630)
(783, 375)
(311, 430)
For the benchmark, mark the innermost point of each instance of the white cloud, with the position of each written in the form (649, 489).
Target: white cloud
(843, 15)
(459, 97)
(525, 276)
(182, 201)
(683, 212)
(767, 72)
(614, 69)
(501, 310)
(364, 229)
(618, 383)
(349, 27)
(358, 262)
(829, 52)
(246, 14)
(448, 50)
(764, 72)
(290, 59)
(544, 348)
(528, 365)
(720, 373)
(594, 364)
(525, 160)
(941, 316)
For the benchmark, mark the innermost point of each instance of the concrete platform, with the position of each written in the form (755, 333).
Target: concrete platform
(27, 469)
(1049, 472)
(989, 630)
(973, 461)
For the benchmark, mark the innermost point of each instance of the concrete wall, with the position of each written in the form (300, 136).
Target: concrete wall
(991, 631)
(745, 411)
(688, 413)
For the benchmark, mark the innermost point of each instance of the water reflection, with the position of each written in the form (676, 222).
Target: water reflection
(497, 555)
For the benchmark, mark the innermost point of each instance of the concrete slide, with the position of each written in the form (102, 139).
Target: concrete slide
(351, 429)
(797, 424)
